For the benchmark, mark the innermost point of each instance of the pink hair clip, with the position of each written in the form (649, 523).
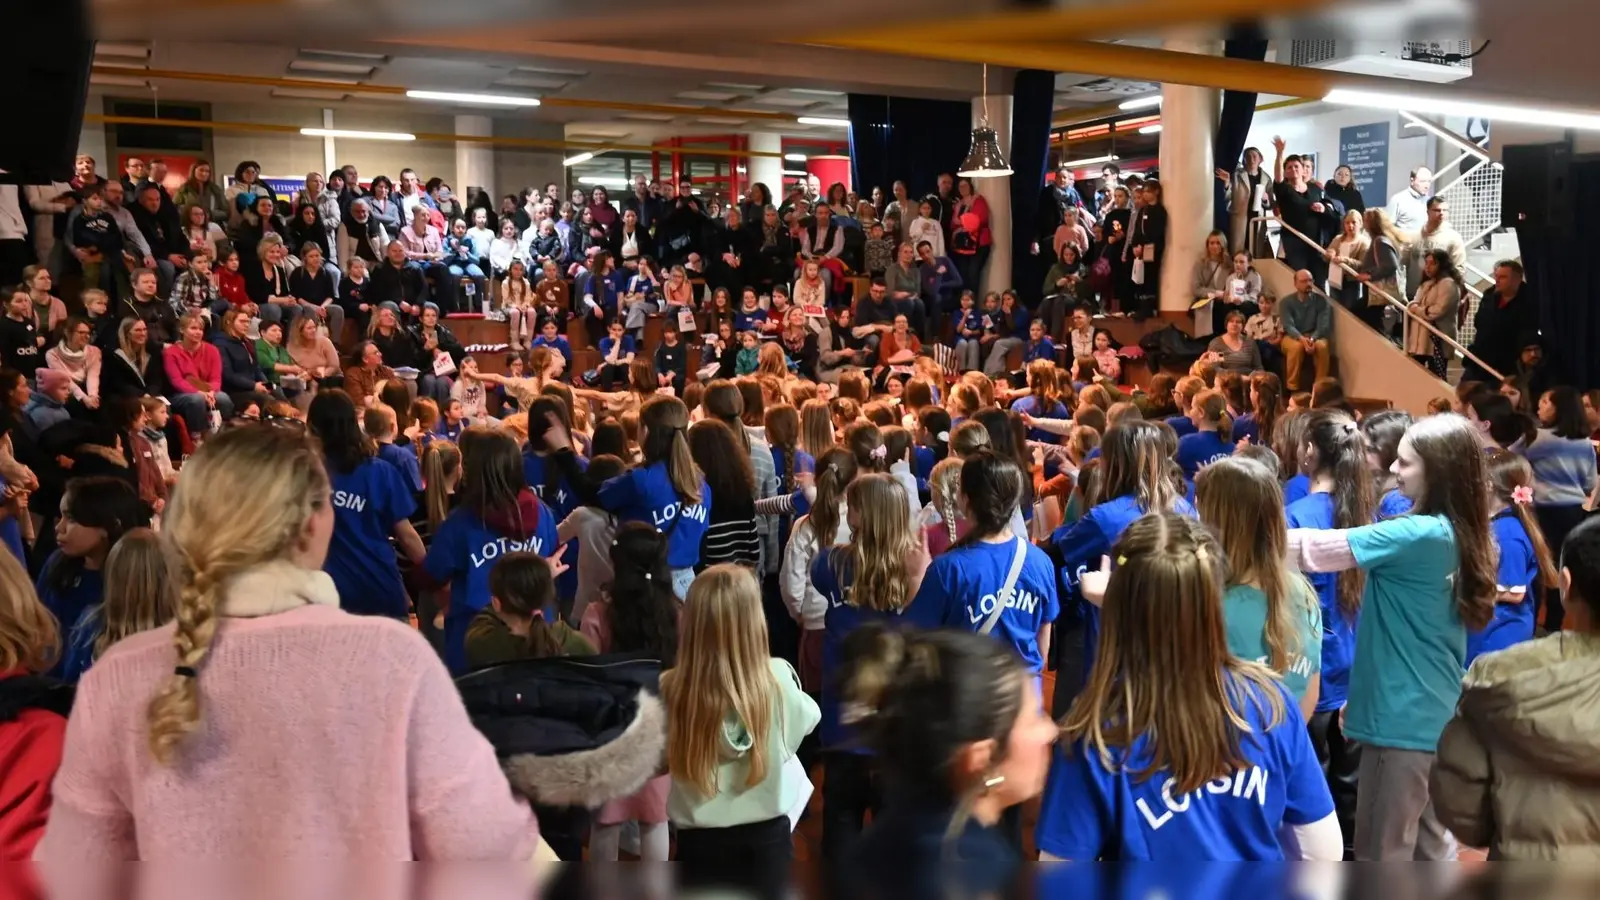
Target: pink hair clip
(1522, 495)
(879, 452)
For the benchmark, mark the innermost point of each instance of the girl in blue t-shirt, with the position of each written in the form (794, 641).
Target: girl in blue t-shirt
(371, 503)
(1382, 431)
(1525, 563)
(496, 515)
(1043, 400)
(870, 580)
(1134, 481)
(550, 485)
(1288, 442)
(1269, 610)
(1259, 425)
(962, 738)
(95, 514)
(962, 588)
(1430, 579)
(666, 489)
(1209, 413)
(1178, 750)
(144, 599)
(1332, 457)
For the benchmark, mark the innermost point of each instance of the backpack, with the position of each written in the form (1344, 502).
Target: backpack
(571, 731)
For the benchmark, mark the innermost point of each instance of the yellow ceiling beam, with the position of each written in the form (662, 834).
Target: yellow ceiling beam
(1079, 21)
(385, 90)
(493, 141)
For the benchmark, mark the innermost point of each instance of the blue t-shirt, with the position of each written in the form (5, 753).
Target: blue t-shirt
(645, 494)
(1519, 568)
(607, 343)
(1296, 488)
(1043, 348)
(367, 504)
(1090, 812)
(923, 459)
(1031, 405)
(1082, 543)
(1246, 426)
(748, 320)
(971, 319)
(1199, 449)
(1182, 425)
(1338, 627)
(404, 459)
(560, 345)
(11, 534)
(562, 500)
(67, 605)
(1393, 503)
(79, 653)
(831, 575)
(1413, 646)
(959, 591)
(464, 550)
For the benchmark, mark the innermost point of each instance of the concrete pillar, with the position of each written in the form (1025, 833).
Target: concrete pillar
(767, 170)
(1188, 129)
(997, 193)
(474, 161)
(329, 150)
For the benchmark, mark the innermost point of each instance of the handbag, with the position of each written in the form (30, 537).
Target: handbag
(686, 319)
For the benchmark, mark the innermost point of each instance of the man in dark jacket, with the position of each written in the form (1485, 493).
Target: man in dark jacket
(242, 377)
(645, 205)
(1507, 321)
(393, 281)
(158, 222)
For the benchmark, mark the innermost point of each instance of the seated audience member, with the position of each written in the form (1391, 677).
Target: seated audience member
(33, 712)
(1307, 331)
(365, 380)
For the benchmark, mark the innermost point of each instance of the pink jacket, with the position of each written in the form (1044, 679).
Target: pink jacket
(323, 735)
(205, 364)
(420, 246)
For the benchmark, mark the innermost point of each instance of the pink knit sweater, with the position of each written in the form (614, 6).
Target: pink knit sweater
(322, 735)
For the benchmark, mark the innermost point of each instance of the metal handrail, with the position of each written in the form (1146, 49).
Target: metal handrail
(1387, 298)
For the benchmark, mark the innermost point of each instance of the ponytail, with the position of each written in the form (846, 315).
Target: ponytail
(526, 589)
(1511, 479)
(440, 463)
(836, 469)
(664, 420)
(1341, 454)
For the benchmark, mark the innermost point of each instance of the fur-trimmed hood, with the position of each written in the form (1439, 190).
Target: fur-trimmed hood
(590, 778)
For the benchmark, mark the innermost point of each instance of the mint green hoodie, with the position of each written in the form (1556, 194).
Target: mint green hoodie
(735, 804)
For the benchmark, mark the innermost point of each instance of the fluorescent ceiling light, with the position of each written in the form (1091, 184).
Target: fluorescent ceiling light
(1470, 149)
(820, 120)
(580, 158)
(486, 99)
(1150, 129)
(1141, 102)
(1495, 112)
(792, 173)
(358, 135)
(1079, 163)
(603, 181)
(794, 157)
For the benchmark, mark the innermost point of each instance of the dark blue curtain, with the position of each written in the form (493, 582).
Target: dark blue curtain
(1238, 111)
(1033, 100)
(1564, 272)
(911, 140)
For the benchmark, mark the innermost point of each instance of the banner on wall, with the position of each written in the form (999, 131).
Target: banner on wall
(1365, 149)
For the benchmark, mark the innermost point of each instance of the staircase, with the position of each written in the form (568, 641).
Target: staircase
(1368, 364)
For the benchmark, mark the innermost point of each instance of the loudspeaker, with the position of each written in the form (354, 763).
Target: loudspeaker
(44, 82)
(1535, 192)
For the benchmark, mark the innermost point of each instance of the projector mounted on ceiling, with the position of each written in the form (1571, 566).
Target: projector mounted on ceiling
(1431, 61)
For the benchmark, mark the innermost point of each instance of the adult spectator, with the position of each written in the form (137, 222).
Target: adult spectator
(134, 173)
(316, 287)
(605, 215)
(681, 230)
(266, 281)
(324, 195)
(1563, 461)
(904, 284)
(242, 378)
(424, 250)
(1233, 350)
(194, 377)
(362, 235)
(1379, 268)
(1347, 249)
(1303, 207)
(1434, 301)
(756, 201)
(1110, 175)
(1250, 191)
(246, 186)
(970, 238)
(774, 251)
(202, 190)
(822, 239)
(902, 208)
(1507, 321)
(875, 317)
(133, 239)
(1212, 273)
(1307, 331)
(149, 308)
(410, 195)
(1408, 208)
(734, 259)
(941, 285)
(1436, 234)
(254, 224)
(50, 204)
(385, 207)
(1342, 191)
(1147, 241)
(136, 367)
(157, 220)
(646, 206)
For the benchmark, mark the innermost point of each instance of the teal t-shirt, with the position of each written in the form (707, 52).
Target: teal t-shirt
(1244, 613)
(1411, 647)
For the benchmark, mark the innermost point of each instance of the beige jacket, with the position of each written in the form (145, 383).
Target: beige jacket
(1518, 770)
(1435, 301)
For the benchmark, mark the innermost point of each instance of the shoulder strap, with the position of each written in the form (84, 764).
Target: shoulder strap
(1007, 589)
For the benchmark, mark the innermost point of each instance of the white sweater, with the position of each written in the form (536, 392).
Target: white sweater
(594, 531)
(794, 575)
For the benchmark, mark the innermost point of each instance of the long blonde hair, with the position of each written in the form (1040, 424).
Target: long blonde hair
(441, 470)
(879, 544)
(1240, 500)
(29, 636)
(723, 667)
(210, 540)
(944, 489)
(666, 423)
(1163, 670)
(816, 428)
(145, 596)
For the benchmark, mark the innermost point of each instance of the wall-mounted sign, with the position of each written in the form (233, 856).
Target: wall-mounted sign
(1365, 149)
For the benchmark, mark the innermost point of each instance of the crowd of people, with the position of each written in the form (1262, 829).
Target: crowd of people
(291, 592)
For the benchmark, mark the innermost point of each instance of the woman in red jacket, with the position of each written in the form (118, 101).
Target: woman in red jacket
(970, 237)
(33, 711)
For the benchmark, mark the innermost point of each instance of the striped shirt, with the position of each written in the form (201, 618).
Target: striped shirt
(1563, 469)
(766, 486)
(733, 540)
